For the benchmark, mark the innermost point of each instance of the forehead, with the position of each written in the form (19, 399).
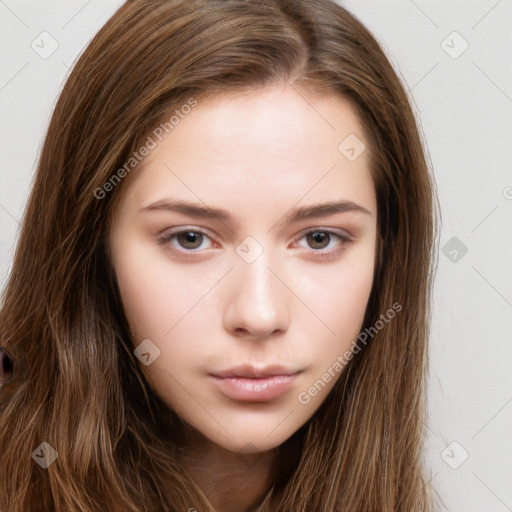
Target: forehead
(286, 122)
(278, 142)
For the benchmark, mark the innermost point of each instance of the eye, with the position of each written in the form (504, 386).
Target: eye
(188, 239)
(320, 239)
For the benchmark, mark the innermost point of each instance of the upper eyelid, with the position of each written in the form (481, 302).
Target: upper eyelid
(321, 229)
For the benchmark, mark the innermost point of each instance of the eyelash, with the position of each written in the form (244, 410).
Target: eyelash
(320, 253)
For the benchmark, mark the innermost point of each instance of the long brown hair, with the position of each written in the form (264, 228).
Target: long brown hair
(78, 386)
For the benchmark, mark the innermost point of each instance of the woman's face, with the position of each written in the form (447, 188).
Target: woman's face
(274, 274)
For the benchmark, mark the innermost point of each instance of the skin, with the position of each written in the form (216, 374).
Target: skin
(257, 155)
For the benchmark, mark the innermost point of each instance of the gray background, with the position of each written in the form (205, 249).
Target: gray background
(463, 101)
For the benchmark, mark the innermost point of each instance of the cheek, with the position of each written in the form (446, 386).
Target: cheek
(341, 306)
(168, 306)
(154, 295)
(339, 294)
(352, 292)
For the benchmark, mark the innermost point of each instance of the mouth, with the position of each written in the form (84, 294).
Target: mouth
(252, 372)
(250, 384)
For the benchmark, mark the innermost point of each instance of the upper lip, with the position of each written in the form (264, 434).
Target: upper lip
(253, 372)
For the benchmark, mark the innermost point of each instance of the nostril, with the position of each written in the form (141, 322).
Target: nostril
(6, 366)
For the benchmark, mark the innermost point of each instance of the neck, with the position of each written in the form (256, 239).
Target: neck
(234, 482)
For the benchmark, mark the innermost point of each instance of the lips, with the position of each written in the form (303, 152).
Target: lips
(250, 384)
(252, 372)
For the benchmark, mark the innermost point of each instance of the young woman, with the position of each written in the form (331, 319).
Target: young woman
(220, 298)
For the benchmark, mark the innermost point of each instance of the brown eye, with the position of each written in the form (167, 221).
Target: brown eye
(189, 239)
(186, 240)
(318, 239)
(6, 366)
(325, 244)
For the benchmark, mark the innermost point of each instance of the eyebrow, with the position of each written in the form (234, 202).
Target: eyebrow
(199, 211)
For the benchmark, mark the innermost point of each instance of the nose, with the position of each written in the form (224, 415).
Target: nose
(258, 300)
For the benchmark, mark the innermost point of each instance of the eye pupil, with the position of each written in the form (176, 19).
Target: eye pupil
(188, 237)
(318, 237)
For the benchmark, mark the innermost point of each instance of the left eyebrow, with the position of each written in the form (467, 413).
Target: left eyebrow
(324, 210)
(197, 210)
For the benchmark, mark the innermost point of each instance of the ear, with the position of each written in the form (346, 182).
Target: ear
(6, 366)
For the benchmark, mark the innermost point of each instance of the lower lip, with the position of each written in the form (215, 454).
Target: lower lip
(253, 390)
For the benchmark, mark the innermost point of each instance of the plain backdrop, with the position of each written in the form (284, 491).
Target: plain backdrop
(455, 59)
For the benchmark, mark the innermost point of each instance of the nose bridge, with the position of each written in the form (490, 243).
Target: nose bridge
(257, 279)
(258, 300)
